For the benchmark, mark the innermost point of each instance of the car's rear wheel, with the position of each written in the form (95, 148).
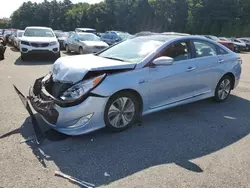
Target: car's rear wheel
(67, 48)
(121, 111)
(223, 89)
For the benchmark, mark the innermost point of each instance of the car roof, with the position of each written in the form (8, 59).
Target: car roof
(85, 29)
(83, 33)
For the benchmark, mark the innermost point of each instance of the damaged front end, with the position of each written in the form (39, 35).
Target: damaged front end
(47, 95)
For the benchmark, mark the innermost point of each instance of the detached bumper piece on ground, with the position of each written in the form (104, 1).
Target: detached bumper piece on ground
(40, 136)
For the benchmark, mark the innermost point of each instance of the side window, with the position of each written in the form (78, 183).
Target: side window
(204, 49)
(178, 51)
(105, 35)
(71, 36)
(75, 36)
(221, 51)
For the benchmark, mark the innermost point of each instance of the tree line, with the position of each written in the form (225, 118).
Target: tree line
(216, 17)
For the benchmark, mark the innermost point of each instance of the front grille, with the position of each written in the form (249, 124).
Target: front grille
(37, 45)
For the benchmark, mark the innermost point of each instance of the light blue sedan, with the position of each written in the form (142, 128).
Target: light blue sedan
(145, 74)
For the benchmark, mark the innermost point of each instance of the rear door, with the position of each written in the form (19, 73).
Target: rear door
(208, 65)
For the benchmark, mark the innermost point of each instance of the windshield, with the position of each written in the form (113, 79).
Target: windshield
(88, 37)
(61, 35)
(133, 50)
(20, 33)
(39, 33)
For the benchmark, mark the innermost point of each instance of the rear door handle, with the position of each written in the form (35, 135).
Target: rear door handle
(221, 61)
(191, 69)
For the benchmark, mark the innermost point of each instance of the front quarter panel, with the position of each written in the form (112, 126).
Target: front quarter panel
(134, 80)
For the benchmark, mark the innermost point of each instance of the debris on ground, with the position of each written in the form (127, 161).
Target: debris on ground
(75, 180)
(106, 174)
(31, 138)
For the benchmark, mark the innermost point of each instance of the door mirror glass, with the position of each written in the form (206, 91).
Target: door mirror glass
(163, 60)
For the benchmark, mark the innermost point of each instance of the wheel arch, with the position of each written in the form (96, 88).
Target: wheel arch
(232, 76)
(136, 94)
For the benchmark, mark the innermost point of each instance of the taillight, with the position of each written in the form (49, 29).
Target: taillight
(239, 60)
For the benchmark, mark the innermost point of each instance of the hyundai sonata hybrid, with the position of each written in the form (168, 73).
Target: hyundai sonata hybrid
(136, 77)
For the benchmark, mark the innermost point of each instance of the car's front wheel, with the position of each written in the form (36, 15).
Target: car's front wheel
(81, 50)
(23, 57)
(223, 89)
(121, 111)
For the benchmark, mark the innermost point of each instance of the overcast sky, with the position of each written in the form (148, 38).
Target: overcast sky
(9, 6)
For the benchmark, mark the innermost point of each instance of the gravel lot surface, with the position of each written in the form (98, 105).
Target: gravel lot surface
(204, 144)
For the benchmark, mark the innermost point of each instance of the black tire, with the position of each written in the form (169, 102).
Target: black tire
(24, 57)
(67, 49)
(81, 50)
(58, 55)
(112, 100)
(217, 96)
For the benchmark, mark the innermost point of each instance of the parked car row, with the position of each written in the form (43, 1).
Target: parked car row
(43, 40)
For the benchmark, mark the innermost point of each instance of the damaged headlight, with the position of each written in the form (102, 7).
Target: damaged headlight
(80, 89)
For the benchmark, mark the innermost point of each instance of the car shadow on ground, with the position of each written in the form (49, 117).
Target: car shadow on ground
(174, 136)
(13, 49)
(69, 54)
(35, 61)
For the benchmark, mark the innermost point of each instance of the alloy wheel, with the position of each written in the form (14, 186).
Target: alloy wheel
(224, 89)
(121, 112)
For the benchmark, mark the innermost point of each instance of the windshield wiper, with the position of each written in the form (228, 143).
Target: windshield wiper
(113, 58)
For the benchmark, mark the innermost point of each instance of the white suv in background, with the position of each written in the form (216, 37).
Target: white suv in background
(39, 41)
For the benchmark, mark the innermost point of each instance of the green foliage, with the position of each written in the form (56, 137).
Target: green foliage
(216, 17)
(4, 23)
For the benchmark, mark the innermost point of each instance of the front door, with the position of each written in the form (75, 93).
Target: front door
(173, 83)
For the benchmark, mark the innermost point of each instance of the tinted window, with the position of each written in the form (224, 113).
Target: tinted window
(106, 36)
(204, 49)
(178, 51)
(221, 51)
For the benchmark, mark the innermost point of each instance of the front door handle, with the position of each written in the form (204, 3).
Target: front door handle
(191, 69)
(221, 61)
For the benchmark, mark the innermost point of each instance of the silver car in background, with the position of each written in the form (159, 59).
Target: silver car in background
(17, 38)
(136, 77)
(84, 43)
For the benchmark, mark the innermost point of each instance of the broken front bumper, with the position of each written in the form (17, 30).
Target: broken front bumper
(77, 119)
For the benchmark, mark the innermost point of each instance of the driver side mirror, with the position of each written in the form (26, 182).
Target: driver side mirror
(164, 60)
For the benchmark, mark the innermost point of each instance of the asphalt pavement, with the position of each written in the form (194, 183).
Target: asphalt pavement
(204, 144)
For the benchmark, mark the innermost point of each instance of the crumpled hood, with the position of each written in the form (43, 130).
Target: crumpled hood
(71, 69)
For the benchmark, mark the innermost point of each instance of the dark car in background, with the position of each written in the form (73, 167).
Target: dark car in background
(247, 42)
(112, 37)
(236, 46)
(228, 44)
(240, 43)
(61, 37)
